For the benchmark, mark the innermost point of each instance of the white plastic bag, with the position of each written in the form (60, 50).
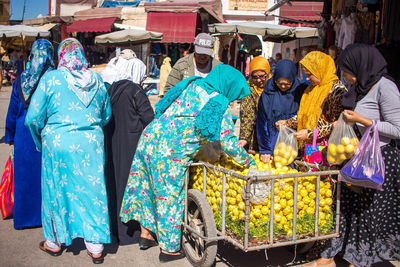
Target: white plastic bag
(286, 149)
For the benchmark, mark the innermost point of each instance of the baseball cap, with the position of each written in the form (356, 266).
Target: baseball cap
(203, 44)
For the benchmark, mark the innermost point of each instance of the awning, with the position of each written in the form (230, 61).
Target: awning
(270, 32)
(91, 25)
(307, 13)
(128, 37)
(46, 27)
(176, 27)
(22, 30)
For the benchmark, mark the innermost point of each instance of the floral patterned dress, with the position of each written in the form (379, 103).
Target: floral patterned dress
(155, 194)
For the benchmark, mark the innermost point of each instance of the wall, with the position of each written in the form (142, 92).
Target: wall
(5, 12)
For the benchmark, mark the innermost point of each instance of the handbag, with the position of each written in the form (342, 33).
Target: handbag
(316, 154)
(7, 188)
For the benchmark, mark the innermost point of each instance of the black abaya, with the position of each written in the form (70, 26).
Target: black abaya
(131, 113)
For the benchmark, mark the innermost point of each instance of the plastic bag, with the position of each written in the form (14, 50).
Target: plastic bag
(286, 148)
(210, 152)
(366, 168)
(7, 189)
(316, 154)
(259, 191)
(342, 143)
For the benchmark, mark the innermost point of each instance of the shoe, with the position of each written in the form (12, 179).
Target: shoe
(98, 260)
(52, 253)
(145, 243)
(167, 257)
(315, 264)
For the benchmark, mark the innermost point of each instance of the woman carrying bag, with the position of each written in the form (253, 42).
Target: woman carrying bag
(370, 219)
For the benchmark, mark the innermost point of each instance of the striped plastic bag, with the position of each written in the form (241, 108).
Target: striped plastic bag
(7, 188)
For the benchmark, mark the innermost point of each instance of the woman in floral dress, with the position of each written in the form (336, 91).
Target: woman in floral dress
(191, 113)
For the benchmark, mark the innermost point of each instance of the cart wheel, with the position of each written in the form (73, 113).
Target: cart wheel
(201, 218)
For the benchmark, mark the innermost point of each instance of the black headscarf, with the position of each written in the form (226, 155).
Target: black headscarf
(367, 64)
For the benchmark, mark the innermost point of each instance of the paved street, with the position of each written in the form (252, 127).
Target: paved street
(20, 248)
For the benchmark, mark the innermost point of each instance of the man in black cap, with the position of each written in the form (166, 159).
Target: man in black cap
(199, 63)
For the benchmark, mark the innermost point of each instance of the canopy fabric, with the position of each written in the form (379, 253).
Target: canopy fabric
(46, 27)
(91, 25)
(128, 37)
(22, 30)
(304, 11)
(270, 32)
(134, 3)
(176, 27)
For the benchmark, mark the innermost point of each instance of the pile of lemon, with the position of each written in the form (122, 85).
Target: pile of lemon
(284, 155)
(259, 212)
(337, 153)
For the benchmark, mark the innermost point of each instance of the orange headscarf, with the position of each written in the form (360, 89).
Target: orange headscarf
(323, 67)
(260, 63)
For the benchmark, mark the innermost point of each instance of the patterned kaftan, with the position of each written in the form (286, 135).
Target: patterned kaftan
(154, 195)
(70, 135)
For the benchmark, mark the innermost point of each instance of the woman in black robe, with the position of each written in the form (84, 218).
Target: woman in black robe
(131, 113)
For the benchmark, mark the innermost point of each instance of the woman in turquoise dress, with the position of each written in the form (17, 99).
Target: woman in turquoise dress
(193, 112)
(66, 116)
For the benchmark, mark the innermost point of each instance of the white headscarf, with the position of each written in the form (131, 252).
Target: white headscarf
(126, 66)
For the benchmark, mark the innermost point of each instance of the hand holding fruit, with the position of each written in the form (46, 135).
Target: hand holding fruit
(352, 116)
(279, 123)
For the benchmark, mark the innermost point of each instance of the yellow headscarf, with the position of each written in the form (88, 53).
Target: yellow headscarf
(260, 63)
(323, 67)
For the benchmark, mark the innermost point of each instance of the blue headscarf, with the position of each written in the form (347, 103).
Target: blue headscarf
(276, 104)
(40, 61)
(230, 85)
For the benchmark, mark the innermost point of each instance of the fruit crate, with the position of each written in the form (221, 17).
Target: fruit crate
(207, 222)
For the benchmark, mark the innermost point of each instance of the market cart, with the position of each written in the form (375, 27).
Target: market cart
(200, 231)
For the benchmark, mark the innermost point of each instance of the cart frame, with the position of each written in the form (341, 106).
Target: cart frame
(271, 243)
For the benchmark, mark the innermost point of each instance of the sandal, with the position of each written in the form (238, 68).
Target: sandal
(145, 243)
(163, 257)
(98, 260)
(52, 253)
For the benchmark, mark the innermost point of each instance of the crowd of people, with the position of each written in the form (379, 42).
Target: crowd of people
(94, 161)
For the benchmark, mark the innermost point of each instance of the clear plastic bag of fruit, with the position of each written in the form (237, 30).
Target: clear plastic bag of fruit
(342, 143)
(286, 148)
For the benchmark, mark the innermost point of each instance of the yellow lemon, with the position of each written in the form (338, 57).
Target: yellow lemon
(294, 154)
(310, 210)
(257, 213)
(328, 193)
(328, 201)
(342, 157)
(264, 210)
(306, 200)
(300, 205)
(277, 207)
(302, 213)
(289, 217)
(330, 159)
(287, 210)
(290, 202)
(235, 212)
(340, 149)
(284, 161)
(332, 150)
(241, 205)
(289, 195)
(283, 203)
(277, 218)
(349, 148)
(345, 141)
(282, 146)
(277, 159)
(303, 193)
(276, 152)
(283, 220)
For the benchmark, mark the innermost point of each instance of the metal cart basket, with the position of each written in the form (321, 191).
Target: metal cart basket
(200, 234)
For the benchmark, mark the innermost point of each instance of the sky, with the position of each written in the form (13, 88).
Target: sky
(32, 8)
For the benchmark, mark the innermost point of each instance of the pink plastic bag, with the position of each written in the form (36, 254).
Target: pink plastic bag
(366, 168)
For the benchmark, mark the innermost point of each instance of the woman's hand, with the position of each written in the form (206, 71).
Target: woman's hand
(266, 158)
(279, 123)
(302, 134)
(352, 116)
(242, 143)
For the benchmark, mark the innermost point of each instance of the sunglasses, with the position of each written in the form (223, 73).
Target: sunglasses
(262, 77)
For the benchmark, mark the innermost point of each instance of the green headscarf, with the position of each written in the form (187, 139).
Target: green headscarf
(230, 85)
